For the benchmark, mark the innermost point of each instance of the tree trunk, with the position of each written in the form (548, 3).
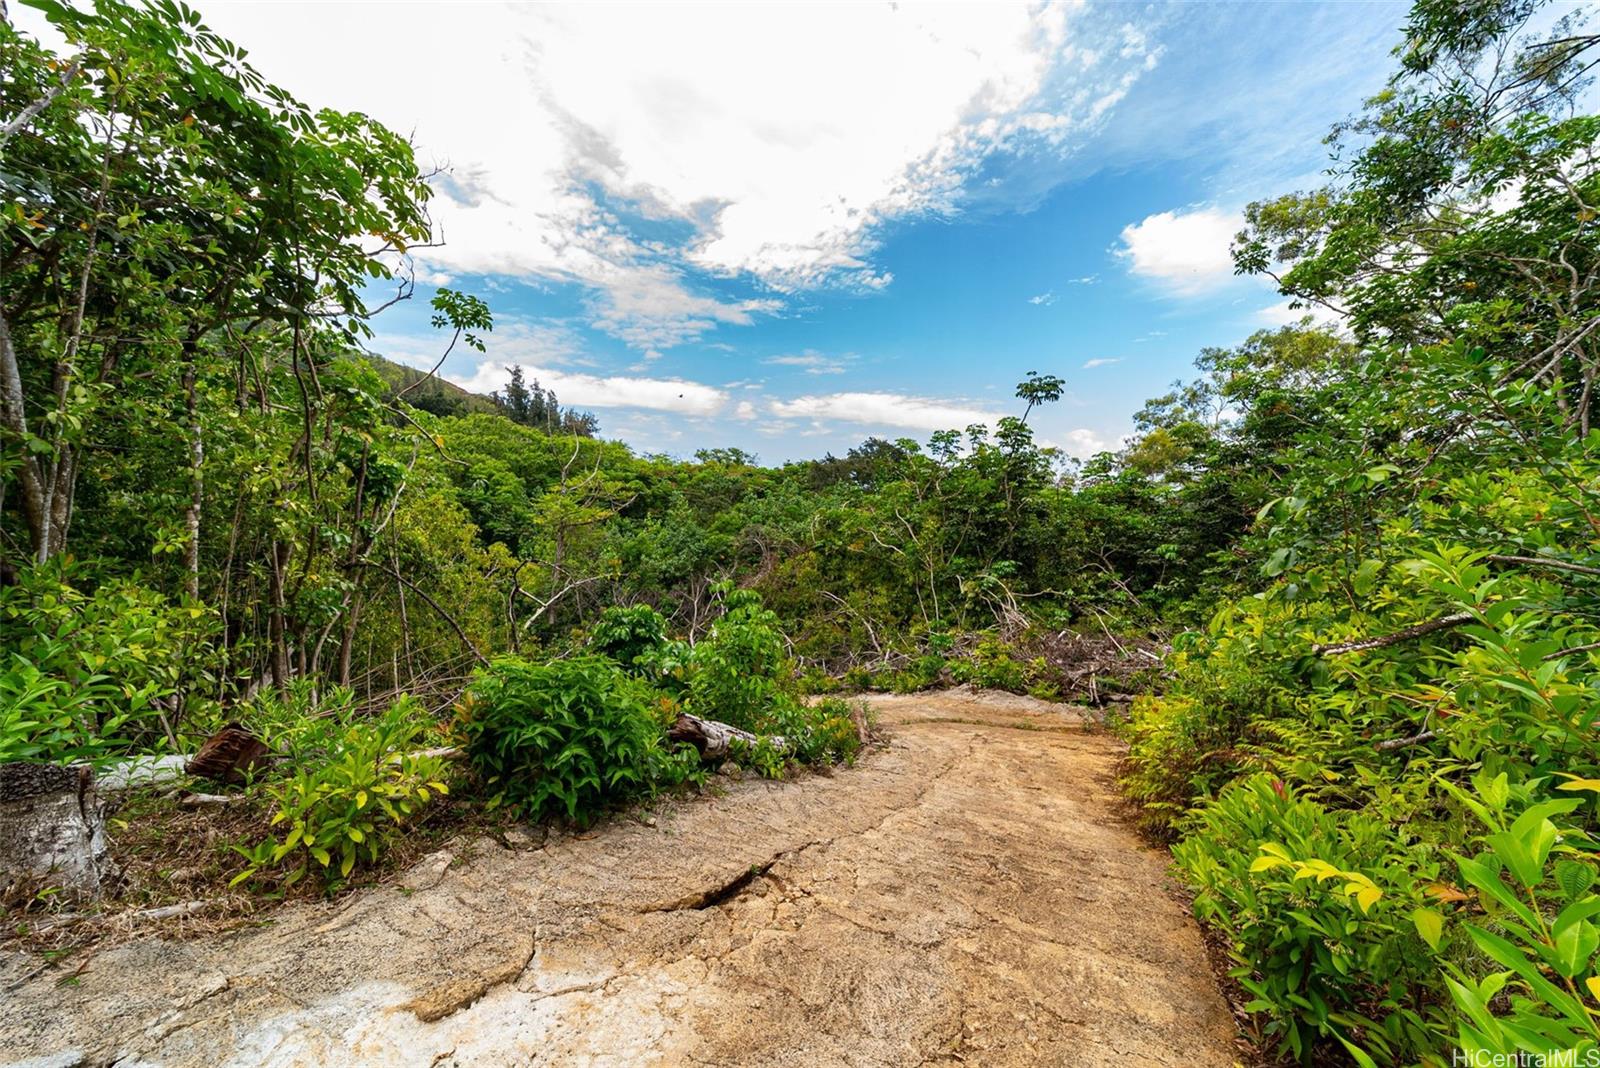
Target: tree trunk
(35, 481)
(348, 639)
(191, 552)
(275, 623)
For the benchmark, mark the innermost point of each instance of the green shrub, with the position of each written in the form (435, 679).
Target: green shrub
(763, 756)
(737, 673)
(922, 673)
(820, 733)
(1317, 909)
(568, 737)
(814, 680)
(1179, 750)
(856, 679)
(627, 634)
(1537, 940)
(991, 666)
(302, 724)
(348, 806)
(135, 664)
(1233, 684)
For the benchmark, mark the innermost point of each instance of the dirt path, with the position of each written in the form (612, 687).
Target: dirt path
(971, 895)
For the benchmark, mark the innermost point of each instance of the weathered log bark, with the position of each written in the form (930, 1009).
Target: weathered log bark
(715, 740)
(52, 830)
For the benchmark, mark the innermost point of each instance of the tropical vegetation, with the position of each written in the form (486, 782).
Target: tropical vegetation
(1371, 539)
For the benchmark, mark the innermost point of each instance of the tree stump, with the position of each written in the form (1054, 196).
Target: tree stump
(52, 830)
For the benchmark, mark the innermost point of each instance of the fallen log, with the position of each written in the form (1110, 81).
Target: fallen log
(164, 912)
(197, 800)
(715, 740)
(141, 771)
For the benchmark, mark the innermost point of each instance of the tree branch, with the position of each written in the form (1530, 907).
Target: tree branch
(420, 592)
(1363, 644)
(27, 115)
(1545, 561)
(1404, 743)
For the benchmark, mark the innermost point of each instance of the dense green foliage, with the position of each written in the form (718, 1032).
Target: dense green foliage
(1378, 759)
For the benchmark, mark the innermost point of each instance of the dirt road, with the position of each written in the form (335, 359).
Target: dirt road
(971, 895)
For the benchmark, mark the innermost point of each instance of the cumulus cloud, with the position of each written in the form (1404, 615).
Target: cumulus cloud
(884, 409)
(654, 158)
(1043, 298)
(1080, 443)
(1101, 361)
(604, 391)
(650, 308)
(1185, 253)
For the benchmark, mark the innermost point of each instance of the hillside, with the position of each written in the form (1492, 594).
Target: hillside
(437, 395)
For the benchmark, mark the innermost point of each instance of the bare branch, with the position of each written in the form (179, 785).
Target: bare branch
(1545, 561)
(27, 115)
(1363, 644)
(1404, 743)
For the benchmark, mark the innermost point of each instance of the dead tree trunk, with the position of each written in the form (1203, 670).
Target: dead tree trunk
(715, 740)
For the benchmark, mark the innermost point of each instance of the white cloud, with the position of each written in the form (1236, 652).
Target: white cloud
(1043, 298)
(1185, 253)
(1085, 280)
(649, 307)
(745, 411)
(760, 143)
(1081, 443)
(884, 409)
(608, 391)
(813, 363)
(1101, 361)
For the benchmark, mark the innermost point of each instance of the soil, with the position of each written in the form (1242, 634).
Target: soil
(973, 892)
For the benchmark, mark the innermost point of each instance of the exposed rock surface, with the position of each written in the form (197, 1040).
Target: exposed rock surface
(974, 894)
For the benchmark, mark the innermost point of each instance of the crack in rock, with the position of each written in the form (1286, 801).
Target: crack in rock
(457, 994)
(716, 895)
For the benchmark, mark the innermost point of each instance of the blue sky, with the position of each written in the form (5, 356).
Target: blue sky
(789, 228)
